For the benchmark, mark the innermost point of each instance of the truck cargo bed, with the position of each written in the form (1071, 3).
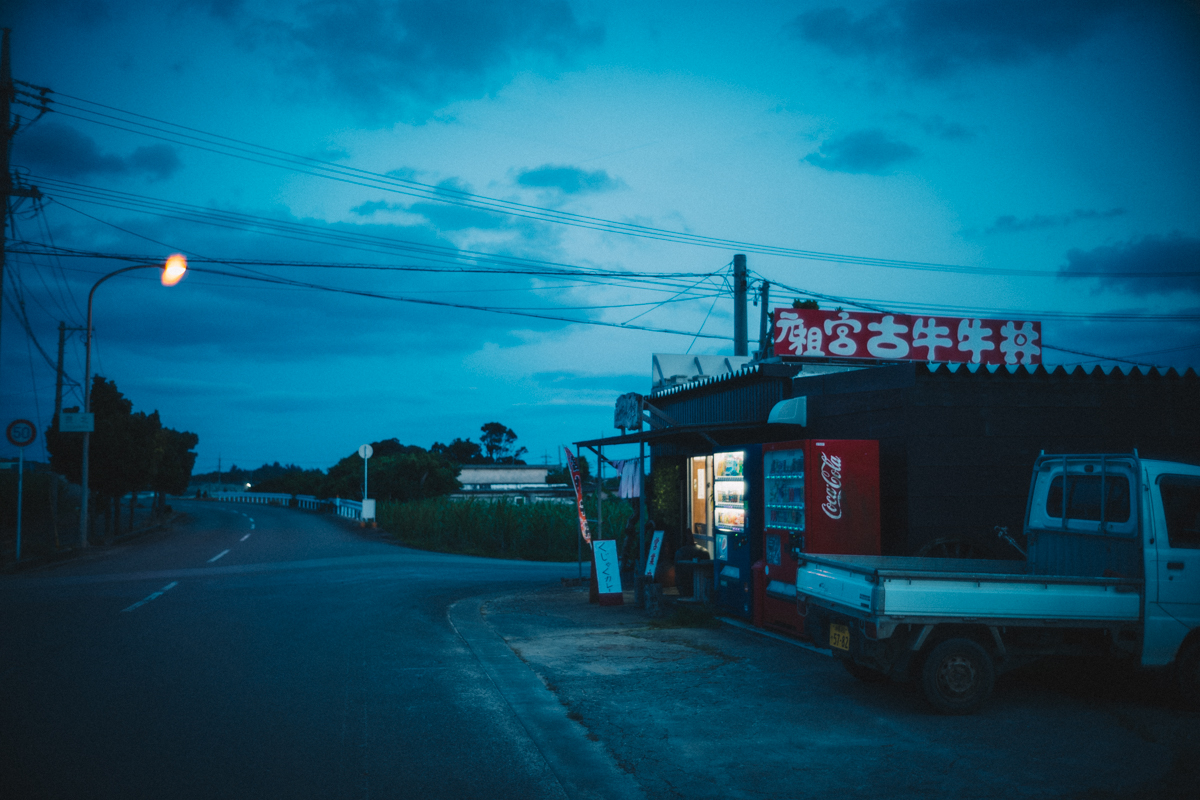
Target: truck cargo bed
(930, 589)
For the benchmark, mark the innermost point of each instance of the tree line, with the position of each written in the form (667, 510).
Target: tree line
(130, 452)
(397, 472)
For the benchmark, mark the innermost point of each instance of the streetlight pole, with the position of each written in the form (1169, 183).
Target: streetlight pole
(172, 273)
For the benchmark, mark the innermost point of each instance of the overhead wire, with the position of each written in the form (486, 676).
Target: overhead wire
(238, 148)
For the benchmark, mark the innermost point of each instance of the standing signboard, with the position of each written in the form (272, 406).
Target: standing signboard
(652, 556)
(608, 572)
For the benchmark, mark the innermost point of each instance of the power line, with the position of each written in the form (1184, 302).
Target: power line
(242, 149)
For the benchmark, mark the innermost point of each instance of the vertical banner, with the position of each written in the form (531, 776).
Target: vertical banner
(652, 556)
(577, 482)
(608, 572)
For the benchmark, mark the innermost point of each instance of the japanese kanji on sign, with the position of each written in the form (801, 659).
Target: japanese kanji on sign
(800, 332)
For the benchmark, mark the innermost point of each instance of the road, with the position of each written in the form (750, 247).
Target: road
(252, 651)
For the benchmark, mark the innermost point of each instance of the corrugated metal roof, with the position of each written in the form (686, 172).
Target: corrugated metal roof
(951, 368)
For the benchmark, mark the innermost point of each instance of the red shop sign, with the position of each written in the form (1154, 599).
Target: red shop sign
(901, 337)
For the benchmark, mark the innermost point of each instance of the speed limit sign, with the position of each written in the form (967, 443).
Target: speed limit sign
(22, 432)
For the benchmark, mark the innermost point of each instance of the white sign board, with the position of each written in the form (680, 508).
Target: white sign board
(69, 422)
(652, 556)
(608, 570)
(366, 451)
(368, 511)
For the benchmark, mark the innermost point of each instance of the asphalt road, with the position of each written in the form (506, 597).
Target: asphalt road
(250, 651)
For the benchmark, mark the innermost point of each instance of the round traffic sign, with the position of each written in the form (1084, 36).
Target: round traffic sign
(22, 432)
(366, 451)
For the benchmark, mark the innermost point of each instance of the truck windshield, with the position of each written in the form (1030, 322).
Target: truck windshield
(1083, 498)
(1181, 506)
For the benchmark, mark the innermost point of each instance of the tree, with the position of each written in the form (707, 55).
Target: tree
(460, 451)
(410, 474)
(498, 440)
(563, 474)
(808, 304)
(174, 459)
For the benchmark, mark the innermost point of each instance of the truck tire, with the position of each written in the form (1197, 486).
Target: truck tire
(1187, 675)
(864, 674)
(957, 676)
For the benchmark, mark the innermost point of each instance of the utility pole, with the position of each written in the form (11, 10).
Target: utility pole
(739, 305)
(8, 129)
(764, 324)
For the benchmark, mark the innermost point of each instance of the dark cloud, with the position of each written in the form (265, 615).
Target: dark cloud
(1153, 265)
(1010, 223)
(868, 151)
(939, 126)
(58, 150)
(934, 38)
(422, 53)
(568, 180)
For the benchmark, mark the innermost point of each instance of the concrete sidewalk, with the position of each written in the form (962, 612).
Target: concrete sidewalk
(718, 711)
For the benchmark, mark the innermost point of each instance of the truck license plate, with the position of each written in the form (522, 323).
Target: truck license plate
(839, 636)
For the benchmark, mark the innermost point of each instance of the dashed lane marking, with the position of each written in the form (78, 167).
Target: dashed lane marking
(157, 594)
(218, 555)
(244, 538)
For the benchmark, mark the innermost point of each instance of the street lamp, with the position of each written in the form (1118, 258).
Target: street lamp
(172, 273)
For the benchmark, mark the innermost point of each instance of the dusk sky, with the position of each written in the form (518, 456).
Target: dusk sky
(1044, 154)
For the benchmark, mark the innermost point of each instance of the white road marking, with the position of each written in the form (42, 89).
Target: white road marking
(244, 538)
(218, 555)
(251, 521)
(251, 526)
(243, 513)
(159, 593)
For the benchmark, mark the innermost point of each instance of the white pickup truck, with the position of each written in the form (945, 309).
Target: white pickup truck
(1113, 568)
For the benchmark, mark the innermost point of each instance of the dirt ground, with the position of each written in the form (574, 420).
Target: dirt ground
(695, 708)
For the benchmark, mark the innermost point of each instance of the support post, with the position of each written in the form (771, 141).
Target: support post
(764, 324)
(739, 305)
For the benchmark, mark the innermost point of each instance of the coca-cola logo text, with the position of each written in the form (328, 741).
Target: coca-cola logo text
(831, 473)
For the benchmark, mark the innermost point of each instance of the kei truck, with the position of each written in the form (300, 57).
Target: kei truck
(1112, 569)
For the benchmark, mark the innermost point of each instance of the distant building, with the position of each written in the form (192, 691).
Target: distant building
(520, 483)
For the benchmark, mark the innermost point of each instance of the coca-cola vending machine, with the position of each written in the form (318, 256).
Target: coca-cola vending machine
(819, 496)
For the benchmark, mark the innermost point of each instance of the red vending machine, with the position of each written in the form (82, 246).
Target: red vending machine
(819, 496)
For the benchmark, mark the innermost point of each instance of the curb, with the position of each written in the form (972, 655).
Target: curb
(582, 768)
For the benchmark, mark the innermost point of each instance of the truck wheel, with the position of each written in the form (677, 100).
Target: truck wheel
(957, 676)
(864, 674)
(1187, 675)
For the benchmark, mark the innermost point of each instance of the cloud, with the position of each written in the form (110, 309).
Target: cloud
(936, 38)
(61, 151)
(568, 180)
(868, 151)
(938, 126)
(1010, 223)
(415, 54)
(1153, 265)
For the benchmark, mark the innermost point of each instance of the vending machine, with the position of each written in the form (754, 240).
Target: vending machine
(735, 483)
(819, 496)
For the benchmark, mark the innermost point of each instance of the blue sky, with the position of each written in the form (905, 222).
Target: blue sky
(1045, 149)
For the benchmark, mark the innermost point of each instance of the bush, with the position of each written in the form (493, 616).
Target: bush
(539, 531)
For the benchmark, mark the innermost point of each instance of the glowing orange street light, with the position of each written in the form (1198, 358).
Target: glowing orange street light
(172, 273)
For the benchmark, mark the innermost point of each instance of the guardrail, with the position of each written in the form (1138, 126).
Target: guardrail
(350, 509)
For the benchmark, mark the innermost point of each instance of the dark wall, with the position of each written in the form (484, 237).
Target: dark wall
(956, 448)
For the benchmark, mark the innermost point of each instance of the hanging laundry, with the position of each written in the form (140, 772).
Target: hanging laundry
(630, 470)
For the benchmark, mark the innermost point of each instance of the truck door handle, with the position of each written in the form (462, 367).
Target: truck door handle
(1174, 565)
